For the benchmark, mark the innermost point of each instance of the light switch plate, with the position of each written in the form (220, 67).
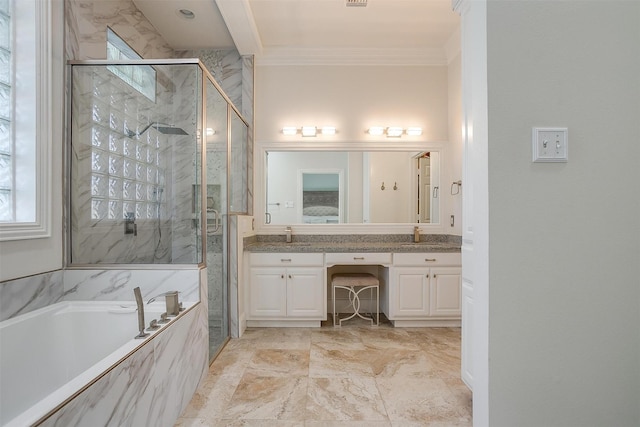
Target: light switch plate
(550, 144)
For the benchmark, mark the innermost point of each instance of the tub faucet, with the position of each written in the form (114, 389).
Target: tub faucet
(416, 234)
(287, 230)
(139, 303)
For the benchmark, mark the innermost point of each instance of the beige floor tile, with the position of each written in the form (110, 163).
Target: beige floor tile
(338, 363)
(257, 423)
(355, 375)
(212, 397)
(280, 338)
(368, 423)
(276, 363)
(420, 401)
(268, 398)
(344, 399)
(337, 339)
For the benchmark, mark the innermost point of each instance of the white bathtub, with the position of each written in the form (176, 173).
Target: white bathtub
(50, 355)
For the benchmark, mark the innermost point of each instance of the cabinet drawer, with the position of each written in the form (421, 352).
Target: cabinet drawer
(358, 258)
(286, 259)
(427, 259)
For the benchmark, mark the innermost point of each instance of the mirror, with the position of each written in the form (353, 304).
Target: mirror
(352, 187)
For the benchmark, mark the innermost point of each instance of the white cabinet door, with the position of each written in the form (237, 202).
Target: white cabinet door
(268, 292)
(411, 294)
(305, 296)
(445, 284)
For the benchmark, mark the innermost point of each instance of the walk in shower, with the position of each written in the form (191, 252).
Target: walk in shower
(150, 183)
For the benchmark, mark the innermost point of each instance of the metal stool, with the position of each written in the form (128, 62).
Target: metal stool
(355, 283)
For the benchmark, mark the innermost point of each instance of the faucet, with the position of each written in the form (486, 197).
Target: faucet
(416, 234)
(139, 303)
(288, 231)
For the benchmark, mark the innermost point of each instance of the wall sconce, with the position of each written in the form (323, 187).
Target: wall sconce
(308, 130)
(394, 131)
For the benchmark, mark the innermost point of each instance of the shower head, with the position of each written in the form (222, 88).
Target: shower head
(163, 128)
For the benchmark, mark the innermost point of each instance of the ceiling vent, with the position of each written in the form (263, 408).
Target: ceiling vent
(356, 3)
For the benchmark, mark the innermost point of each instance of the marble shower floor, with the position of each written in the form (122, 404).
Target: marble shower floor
(356, 375)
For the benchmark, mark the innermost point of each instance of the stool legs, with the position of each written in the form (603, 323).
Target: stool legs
(354, 300)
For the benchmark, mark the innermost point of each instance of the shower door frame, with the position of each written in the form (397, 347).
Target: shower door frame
(201, 137)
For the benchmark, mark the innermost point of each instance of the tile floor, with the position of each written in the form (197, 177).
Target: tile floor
(356, 375)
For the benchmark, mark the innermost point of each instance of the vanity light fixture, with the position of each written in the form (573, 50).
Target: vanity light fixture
(309, 130)
(414, 131)
(394, 131)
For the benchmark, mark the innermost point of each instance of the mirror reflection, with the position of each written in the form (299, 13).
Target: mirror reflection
(351, 187)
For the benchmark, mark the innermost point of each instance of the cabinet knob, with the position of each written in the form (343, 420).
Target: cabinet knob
(282, 276)
(290, 277)
(430, 259)
(427, 276)
(434, 276)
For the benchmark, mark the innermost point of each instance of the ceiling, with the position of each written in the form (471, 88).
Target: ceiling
(312, 31)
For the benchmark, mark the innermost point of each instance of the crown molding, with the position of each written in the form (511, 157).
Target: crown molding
(337, 56)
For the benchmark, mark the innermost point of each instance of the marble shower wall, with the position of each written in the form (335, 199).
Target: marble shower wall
(86, 29)
(150, 175)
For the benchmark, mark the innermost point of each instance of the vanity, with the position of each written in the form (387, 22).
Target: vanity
(289, 283)
(352, 207)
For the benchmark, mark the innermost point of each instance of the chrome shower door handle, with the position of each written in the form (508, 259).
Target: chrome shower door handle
(216, 222)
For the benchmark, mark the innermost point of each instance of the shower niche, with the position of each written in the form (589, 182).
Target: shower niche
(140, 133)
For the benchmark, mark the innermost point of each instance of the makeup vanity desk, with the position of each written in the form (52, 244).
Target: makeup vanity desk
(289, 283)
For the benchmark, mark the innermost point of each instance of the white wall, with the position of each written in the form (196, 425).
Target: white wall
(354, 98)
(564, 248)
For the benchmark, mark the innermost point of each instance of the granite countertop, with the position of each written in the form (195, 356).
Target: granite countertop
(354, 243)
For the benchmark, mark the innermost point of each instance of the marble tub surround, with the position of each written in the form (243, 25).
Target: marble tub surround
(118, 285)
(353, 243)
(27, 294)
(355, 375)
(30, 293)
(151, 387)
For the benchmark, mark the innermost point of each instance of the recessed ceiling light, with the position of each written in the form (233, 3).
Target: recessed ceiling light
(185, 13)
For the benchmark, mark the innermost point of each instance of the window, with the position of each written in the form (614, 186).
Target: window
(141, 78)
(128, 158)
(26, 108)
(6, 103)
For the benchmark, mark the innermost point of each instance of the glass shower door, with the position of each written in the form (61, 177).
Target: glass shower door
(217, 216)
